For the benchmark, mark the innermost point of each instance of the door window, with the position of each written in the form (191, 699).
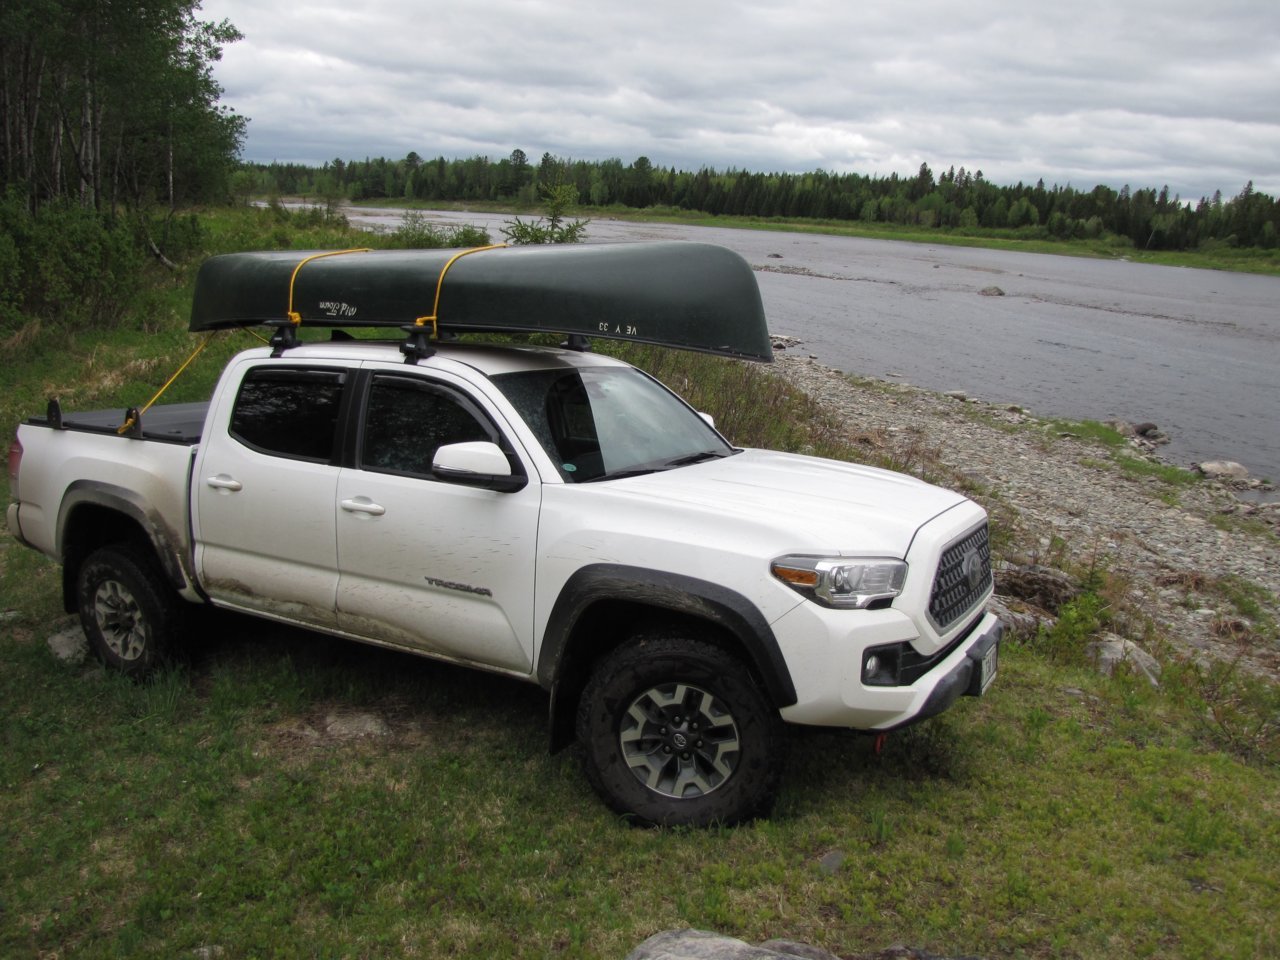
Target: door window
(289, 412)
(407, 419)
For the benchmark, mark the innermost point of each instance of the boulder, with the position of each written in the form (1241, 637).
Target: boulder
(1041, 586)
(703, 945)
(1222, 470)
(70, 645)
(1113, 649)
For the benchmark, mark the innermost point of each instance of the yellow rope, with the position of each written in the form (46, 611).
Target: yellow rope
(294, 317)
(124, 427)
(434, 317)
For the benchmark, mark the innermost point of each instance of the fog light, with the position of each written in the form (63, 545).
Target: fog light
(881, 666)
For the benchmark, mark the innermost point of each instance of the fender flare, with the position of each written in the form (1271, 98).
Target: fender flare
(664, 591)
(129, 504)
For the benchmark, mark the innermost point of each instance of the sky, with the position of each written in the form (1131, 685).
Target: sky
(1149, 93)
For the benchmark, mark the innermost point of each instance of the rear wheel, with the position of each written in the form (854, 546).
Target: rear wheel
(127, 609)
(676, 732)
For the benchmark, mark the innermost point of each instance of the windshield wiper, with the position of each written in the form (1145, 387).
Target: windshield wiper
(665, 465)
(634, 472)
(698, 457)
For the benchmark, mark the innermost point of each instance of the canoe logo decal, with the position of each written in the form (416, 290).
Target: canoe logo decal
(336, 308)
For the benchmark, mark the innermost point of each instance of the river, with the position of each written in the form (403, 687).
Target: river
(1197, 352)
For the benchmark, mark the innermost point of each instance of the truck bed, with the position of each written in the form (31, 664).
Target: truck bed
(168, 423)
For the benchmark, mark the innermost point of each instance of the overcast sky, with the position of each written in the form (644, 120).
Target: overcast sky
(1141, 92)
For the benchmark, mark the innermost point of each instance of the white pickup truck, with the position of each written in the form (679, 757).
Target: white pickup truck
(547, 513)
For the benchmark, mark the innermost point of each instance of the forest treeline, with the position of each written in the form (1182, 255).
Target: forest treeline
(110, 123)
(958, 200)
(113, 105)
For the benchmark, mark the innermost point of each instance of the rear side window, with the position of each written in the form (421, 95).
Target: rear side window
(288, 412)
(408, 419)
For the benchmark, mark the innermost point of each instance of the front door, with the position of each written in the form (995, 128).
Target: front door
(437, 566)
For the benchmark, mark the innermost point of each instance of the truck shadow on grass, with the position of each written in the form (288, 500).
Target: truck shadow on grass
(300, 692)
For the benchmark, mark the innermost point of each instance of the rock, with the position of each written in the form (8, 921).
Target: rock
(831, 862)
(991, 292)
(1018, 620)
(70, 645)
(353, 726)
(1042, 586)
(704, 945)
(957, 395)
(1222, 470)
(1113, 649)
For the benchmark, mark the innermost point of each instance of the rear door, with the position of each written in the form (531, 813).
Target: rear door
(264, 492)
(437, 566)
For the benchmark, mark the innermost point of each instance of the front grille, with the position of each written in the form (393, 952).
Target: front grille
(963, 578)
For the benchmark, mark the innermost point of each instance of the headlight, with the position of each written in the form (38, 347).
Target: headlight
(843, 582)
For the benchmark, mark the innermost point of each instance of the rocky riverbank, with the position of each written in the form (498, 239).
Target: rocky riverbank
(1199, 567)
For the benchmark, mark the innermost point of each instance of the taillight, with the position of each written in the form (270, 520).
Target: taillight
(15, 461)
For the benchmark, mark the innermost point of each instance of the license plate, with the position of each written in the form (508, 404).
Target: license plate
(989, 667)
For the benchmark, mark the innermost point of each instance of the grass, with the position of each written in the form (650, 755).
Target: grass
(214, 810)
(208, 808)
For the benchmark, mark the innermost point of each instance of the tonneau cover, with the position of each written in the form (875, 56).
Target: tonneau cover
(170, 423)
(693, 296)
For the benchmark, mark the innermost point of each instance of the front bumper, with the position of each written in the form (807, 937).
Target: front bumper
(828, 674)
(967, 678)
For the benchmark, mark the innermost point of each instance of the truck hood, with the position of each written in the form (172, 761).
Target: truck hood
(819, 505)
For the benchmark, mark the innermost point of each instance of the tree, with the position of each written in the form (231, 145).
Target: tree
(114, 103)
(553, 228)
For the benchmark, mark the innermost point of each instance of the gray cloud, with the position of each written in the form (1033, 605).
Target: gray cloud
(1144, 92)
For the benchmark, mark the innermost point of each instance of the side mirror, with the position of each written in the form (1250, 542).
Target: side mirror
(476, 464)
(711, 421)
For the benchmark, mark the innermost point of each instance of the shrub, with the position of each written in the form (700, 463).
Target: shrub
(65, 266)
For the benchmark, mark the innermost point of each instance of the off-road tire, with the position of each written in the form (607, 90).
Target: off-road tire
(128, 611)
(676, 732)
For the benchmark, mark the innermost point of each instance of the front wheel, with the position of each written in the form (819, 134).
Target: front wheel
(126, 608)
(676, 732)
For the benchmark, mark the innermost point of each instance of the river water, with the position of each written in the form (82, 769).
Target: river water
(1197, 352)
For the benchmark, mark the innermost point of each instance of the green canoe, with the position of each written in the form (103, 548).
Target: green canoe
(693, 296)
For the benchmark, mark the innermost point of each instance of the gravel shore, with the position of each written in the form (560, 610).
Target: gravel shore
(1067, 506)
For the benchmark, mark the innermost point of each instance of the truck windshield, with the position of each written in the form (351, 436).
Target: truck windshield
(603, 423)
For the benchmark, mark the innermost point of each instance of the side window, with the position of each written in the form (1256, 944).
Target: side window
(407, 419)
(288, 412)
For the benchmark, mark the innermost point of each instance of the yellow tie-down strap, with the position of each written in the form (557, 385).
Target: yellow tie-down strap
(294, 317)
(434, 317)
(130, 421)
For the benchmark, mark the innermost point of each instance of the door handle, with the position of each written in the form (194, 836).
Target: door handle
(362, 505)
(223, 482)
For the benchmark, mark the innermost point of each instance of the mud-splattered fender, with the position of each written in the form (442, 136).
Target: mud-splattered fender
(132, 507)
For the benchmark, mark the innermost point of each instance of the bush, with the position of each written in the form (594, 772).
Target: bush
(416, 233)
(65, 266)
